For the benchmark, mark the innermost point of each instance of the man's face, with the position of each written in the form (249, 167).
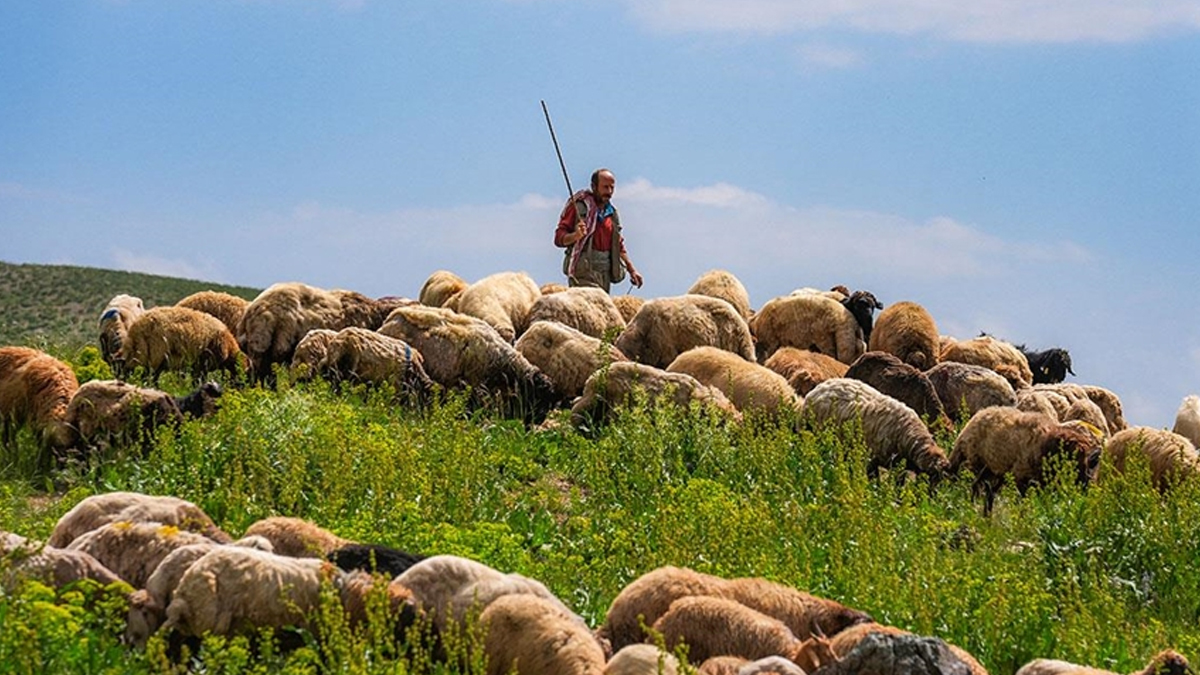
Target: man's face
(605, 185)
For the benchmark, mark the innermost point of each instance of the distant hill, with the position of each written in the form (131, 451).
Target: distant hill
(56, 307)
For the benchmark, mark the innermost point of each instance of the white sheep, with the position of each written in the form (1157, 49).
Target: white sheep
(724, 285)
(97, 511)
(893, 433)
(24, 559)
(714, 626)
(109, 412)
(436, 581)
(804, 369)
(226, 307)
(532, 636)
(310, 351)
(1171, 456)
(642, 659)
(587, 309)
(628, 305)
(133, 550)
(566, 355)
(1187, 419)
(439, 287)
(115, 320)
(808, 321)
(666, 327)
(503, 300)
(359, 355)
(748, 385)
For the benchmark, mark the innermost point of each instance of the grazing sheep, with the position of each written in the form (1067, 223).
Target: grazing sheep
(133, 550)
(355, 590)
(1039, 399)
(359, 355)
(1171, 457)
(1109, 404)
(57, 567)
(439, 287)
(628, 305)
(746, 384)
(96, 511)
(667, 327)
(296, 538)
(437, 580)
(724, 285)
(115, 320)
(907, 331)
(892, 431)
(310, 351)
(808, 321)
(1187, 419)
(1168, 662)
(478, 595)
(233, 590)
(965, 389)
(35, 390)
(649, 596)
(844, 642)
(1000, 441)
(998, 355)
(1049, 366)
(804, 369)
(109, 412)
(587, 309)
(566, 355)
(503, 300)
(359, 311)
(714, 626)
(642, 659)
(887, 374)
(618, 385)
(460, 350)
(528, 634)
(374, 558)
(180, 339)
(225, 307)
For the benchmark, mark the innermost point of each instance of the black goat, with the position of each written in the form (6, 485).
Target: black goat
(374, 558)
(862, 304)
(1049, 366)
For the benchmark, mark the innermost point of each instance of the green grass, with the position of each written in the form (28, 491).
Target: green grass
(1106, 576)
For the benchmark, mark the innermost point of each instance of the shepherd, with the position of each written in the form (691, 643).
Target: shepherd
(589, 228)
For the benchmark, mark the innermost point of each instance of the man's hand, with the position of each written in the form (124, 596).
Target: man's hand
(635, 278)
(579, 231)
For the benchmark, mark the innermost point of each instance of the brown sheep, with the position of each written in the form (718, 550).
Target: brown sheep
(1110, 405)
(180, 339)
(133, 550)
(628, 305)
(530, 635)
(810, 321)
(296, 538)
(804, 369)
(1171, 457)
(228, 308)
(587, 309)
(1168, 662)
(907, 331)
(620, 384)
(997, 355)
(115, 321)
(734, 665)
(310, 351)
(1000, 441)
(361, 355)
(724, 285)
(503, 300)
(96, 511)
(715, 626)
(746, 384)
(107, 413)
(664, 328)
(965, 389)
(35, 390)
(566, 355)
(903, 382)
(552, 287)
(439, 287)
(844, 642)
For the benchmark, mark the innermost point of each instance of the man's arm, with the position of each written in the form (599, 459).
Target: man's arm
(569, 232)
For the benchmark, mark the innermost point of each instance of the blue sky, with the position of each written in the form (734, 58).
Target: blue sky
(1018, 168)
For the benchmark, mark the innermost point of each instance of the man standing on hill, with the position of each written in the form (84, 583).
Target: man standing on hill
(590, 231)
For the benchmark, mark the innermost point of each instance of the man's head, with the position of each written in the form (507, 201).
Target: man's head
(603, 185)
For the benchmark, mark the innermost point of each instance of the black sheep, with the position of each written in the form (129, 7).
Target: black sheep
(1049, 366)
(374, 558)
(862, 304)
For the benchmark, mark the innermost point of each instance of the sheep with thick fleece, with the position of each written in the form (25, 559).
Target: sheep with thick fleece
(359, 311)
(133, 550)
(844, 642)
(566, 355)
(807, 321)
(180, 339)
(296, 537)
(1168, 662)
(96, 511)
(1187, 419)
(667, 327)
(735, 665)
(503, 300)
(310, 351)
(461, 350)
(359, 355)
(232, 590)
(642, 659)
(532, 636)
(1171, 457)
(724, 285)
(746, 384)
(439, 287)
(714, 626)
(109, 412)
(628, 305)
(115, 320)
(224, 306)
(1110, 405)
(621, 383)
(24, 559)
(997, 355)
(804, 369)
(478, 595)
(648, 597)
(965, 389)
(893, 433)
(35, 390)
(1002, 441)
(437, 580)
(587, 309)
(907, 331)
(903, 382)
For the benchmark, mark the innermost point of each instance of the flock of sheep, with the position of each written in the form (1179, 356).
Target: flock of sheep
(191, 579)
(810, 358)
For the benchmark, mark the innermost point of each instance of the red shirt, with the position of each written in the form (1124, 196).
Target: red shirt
(601, 237)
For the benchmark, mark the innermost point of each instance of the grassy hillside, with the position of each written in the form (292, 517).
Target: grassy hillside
(57, 306)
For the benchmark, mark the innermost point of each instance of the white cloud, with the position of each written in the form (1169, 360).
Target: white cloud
(828, 57)
(149, 263)
(978, 21)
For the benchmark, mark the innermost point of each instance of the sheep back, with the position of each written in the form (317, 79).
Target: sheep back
(439, 287)
(97, 511)
(746, 384)
(180, 339)
(533, 636)
(715, 626)
(566, 355)
(619, 384)
(296, 537)
(133, 550)
(907, 331)
(628, 305)
(276, 320)
(724, 285)
(503, 300)
(804, 369)
(1171, 457)
(997, 355)
(35, 391)
(364, 356)
(227, 308)
(889, 375)
(664, 328)
(965, 389)
(587, 309)
(810, 321)
(1187, 419)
